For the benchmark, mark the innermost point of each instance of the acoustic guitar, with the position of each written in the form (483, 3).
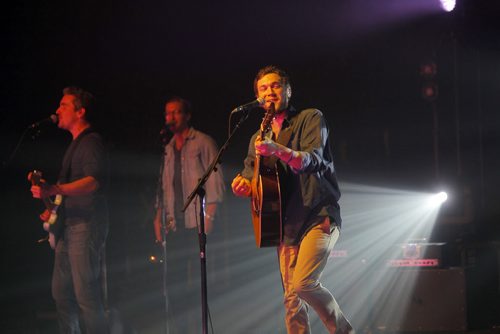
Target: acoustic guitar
(266, 197)
(51, 207)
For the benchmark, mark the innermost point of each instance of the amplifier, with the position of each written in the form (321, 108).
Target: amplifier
(420, 300)
(411, 255)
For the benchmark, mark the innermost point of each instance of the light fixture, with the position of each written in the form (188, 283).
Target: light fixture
(429, 91)
(438, 199)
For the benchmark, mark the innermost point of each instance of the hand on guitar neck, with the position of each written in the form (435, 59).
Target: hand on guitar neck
(39, 188)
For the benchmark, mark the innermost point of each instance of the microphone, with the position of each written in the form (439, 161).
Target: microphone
(166, 127)
(51, 119)
(165, 130)
(259, 102)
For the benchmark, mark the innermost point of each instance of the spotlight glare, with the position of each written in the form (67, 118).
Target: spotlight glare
(442, 197)
(439, 198)
(448, 5)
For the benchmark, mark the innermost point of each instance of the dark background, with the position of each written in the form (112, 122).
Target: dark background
(357, 61)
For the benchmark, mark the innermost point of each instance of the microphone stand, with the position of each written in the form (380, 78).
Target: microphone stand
(159, 196)
(34, 127)
(202, 238)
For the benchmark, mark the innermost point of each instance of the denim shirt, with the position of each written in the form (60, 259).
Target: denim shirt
(197, 154)
(310, 194)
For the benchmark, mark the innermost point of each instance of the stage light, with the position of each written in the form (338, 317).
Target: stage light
(438, 199)
(428, 69)
(155, 259)
(430, 91)
(442, 197)
(448, 5)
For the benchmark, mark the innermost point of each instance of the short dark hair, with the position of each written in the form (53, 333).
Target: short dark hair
(83, 99)
(186, 105)
(271, 69)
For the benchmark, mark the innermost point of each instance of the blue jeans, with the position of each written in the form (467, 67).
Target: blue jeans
(76, 280)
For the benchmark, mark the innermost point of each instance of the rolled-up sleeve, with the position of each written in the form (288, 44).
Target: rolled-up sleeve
(215, 184)
(313, 141)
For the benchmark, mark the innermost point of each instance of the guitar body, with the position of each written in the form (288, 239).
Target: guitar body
(51, 207)
(266, 206)
(266, 196)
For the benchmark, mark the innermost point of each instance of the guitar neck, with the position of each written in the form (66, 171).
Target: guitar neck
(48, 203)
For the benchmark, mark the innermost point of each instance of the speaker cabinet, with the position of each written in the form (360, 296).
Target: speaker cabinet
(420, 300)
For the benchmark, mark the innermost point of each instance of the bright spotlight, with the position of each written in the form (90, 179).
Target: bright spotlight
(448, 5)
(438, 199)
(441, 197)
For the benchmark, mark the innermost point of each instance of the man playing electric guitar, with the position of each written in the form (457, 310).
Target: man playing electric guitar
(310, 213)
(76, 280)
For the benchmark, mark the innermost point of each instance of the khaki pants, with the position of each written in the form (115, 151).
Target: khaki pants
(301, 267)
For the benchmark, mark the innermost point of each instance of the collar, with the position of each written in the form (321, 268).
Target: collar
(291, 113)
(190, 135)
(84, 132)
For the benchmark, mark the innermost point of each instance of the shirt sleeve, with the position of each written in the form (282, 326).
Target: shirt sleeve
(93, 158)
(215, 184)
(313, 142)
(247, 171)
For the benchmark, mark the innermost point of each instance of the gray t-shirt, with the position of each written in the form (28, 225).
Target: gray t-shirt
(85, 156)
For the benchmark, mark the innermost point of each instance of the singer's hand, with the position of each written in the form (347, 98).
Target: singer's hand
(209, 225)
(265, 147)
(44, 190)
(170, 226)
(241, 186)
(44, 216)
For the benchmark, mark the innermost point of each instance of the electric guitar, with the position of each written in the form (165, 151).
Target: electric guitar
(51, 207)
(266, 197)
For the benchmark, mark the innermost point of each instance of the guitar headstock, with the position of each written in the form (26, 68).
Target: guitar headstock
(35, 177)
(265, 126)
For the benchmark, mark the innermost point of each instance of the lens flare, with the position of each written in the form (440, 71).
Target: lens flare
(448, 5)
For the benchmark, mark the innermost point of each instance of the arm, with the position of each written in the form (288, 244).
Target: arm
(290, 157)
(241, 185)
(83, 186)
(311, 157)
(170, 225)
(214, 186)
(210, 211)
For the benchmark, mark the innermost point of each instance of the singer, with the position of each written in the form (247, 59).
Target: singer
(299, 147)
(81, 235)
(187, 156)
